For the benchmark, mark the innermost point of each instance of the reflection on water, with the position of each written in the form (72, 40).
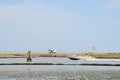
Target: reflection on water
(58, 72)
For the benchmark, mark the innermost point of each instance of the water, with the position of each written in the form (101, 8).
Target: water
(59, 72)
(59, 60)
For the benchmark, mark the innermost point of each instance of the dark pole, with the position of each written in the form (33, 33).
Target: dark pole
(29, 56)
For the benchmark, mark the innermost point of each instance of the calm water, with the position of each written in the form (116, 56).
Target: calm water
(59, 72)
(59, 60)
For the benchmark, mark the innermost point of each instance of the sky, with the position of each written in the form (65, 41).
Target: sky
(71, 26)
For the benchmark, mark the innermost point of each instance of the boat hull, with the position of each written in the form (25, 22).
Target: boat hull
(74, 58)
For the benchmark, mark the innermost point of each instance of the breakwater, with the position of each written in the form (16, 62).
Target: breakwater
(83, 64)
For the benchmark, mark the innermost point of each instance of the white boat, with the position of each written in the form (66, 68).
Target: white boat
(79, 57)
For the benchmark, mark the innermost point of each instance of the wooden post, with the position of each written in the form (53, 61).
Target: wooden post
(29, 56)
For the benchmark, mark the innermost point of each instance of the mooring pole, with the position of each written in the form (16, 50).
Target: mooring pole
(29, 56)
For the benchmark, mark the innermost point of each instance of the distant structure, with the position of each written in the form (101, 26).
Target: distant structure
(52, 51)
(93, 48)
(29, 56)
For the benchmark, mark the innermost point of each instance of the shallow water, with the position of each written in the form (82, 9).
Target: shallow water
(60, 75)
(59, 72)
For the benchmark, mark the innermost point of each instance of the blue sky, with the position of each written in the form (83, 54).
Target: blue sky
(67, 25)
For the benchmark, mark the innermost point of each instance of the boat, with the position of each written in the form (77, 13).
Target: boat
(80, 57)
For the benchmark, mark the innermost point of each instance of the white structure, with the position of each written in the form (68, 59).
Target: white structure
(52, 51)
